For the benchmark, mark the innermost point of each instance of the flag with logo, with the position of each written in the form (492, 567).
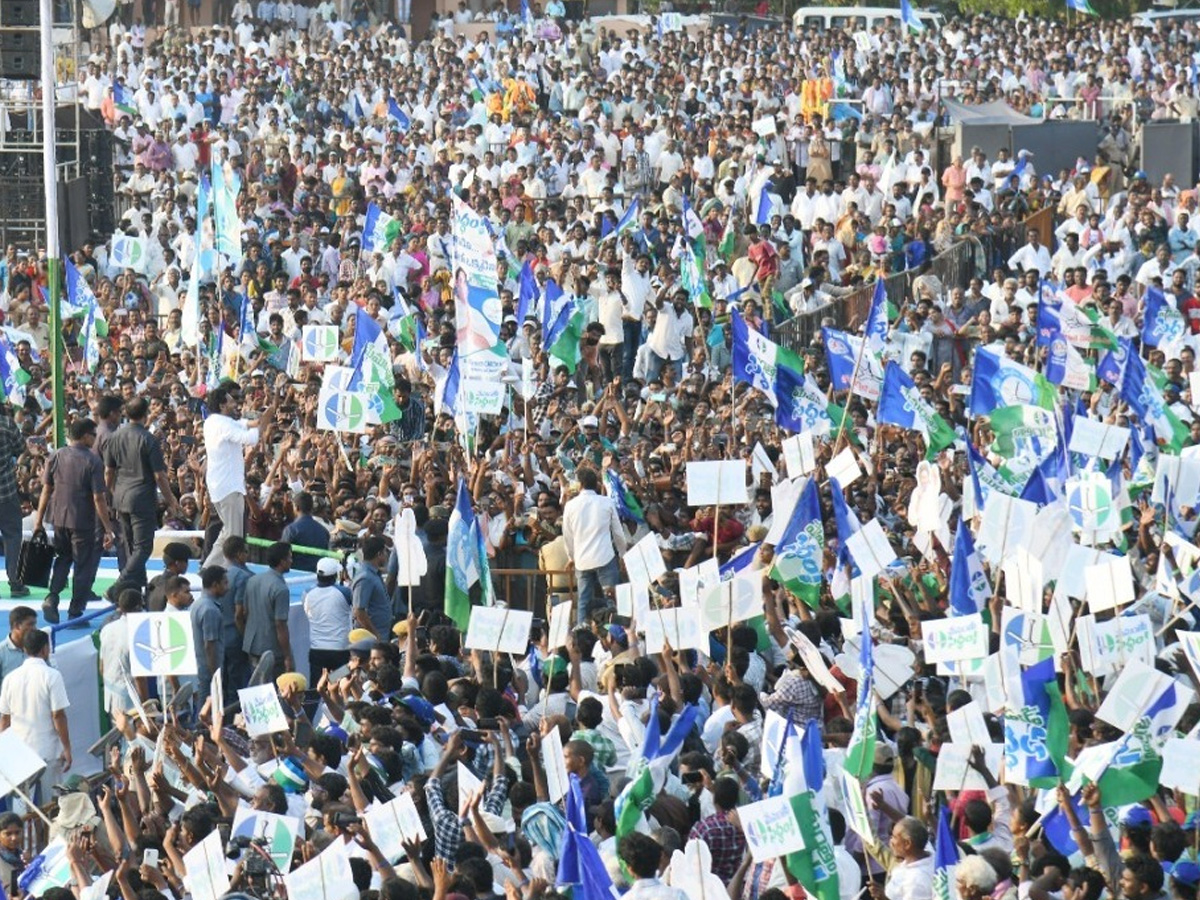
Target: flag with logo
(372, 364)
(629, 508)
(379, 230)
(691, 271)
(227, 224)
(877, 318)
(13, 378)
(945, 858)
(466, 560)
(799, 558)
(565, 336)
(1064, 364)
(249, 341)
(901, 403)
(860, 752)
(1013, 425)
(1112, 365)
(1036, 728)
(852, 366)
(579, 861)
(969, 586)
(728, 243)
(128, 252)
(648, 771)
(123, 100)
(528, 293)
(909, 18)
(803, 783)
(999, 381)
(1162, 323)
(803, 406)
(1139, 390)
(756, 360)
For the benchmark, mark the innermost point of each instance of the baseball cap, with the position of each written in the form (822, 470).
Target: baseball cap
(1137, 815)
(1186, 872)
(328, 567)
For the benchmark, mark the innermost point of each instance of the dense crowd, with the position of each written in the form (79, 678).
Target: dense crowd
(952, 655)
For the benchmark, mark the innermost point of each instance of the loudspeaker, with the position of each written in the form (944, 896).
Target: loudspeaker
(19, 13)
(20, 55)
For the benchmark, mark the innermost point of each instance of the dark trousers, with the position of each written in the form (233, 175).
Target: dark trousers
(633, 339)
(322, 660)
(80, 548)
(236, 670)
(136, 533)
(10, 532)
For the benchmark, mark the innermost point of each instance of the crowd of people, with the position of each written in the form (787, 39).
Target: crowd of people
(954, 653)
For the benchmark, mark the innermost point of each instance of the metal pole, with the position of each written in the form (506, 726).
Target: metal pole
(50, 179)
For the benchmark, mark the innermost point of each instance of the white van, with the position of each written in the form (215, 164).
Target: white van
(854, 18)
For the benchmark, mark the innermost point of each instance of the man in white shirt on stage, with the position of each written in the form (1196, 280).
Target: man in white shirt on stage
(225, 437)
(594, 536)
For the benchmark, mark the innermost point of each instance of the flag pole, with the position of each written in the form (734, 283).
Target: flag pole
(53, 251)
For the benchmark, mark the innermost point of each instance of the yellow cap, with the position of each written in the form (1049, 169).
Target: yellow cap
(291, 679)
(400, 629)
(360, 634)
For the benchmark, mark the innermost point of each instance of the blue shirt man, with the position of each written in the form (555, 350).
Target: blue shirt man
(372, 606)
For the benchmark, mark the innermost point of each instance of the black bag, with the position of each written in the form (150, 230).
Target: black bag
(37, 559)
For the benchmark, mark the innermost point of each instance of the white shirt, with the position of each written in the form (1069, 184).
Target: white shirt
(911, 880)
(1030, 257)
(225, 473)
(592, 531)
(30, 696)
(328, 613)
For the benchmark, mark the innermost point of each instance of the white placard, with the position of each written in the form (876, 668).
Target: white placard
(319, 343)
(18, 762)
(858, 817)
(204, 865)
(1179, 769)
(161, 643)
(628, 596)
(799, 455)
(560, 624)
(954, 772)
(1023, 580)
(1177, 475)
(1007, 523)
(760, 464)
(967, 725)
(764, 127)
(716, 483)
(893, 665)
(1107, 647)
(771, 828)
(1138, 685)
(1093, 438)
(325, 877)
(679, 625)
(392, 823)
(962, 637)
(644, 561)
(468, 786)
(1072, 580)
(871, 549)
(499, 630)
(732, 601)
(554, 765)
(844, 467)
(261, 710)
(814, 661)
(784, 497)
(698, 578)
(1109, 583)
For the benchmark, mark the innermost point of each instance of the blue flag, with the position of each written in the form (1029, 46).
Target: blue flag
(999, 381)
(969, 588)
(358, 108)
(527, 293)
(398, 115)
(763, 216)
(450, 388)
(562, 319)
(1050, 335)
(1144, 397)
(945, 858)
(1111, 367)
(1162, 323)
(877, 320)
(847, 526)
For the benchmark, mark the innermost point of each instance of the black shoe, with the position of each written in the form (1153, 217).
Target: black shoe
(50, 610)
(18, 590)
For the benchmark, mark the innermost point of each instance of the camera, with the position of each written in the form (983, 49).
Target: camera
(345, 820)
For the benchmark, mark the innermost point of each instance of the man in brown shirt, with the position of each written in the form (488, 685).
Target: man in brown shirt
(73, 499)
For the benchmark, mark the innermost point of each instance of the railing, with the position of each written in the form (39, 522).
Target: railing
(530, 589)
(970, 257)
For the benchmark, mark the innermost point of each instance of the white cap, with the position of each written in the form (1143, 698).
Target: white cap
(327, 566)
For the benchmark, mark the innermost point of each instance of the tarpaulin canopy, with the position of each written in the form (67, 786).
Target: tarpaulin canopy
(995, 113)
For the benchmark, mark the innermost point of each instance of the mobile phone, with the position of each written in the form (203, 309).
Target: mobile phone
(149, 857)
